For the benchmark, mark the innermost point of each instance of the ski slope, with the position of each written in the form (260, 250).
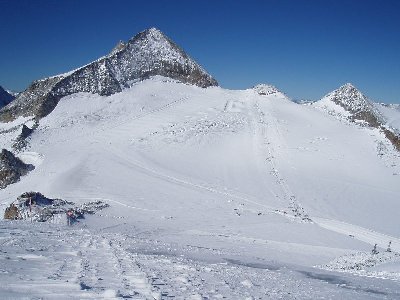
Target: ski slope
(256, 188)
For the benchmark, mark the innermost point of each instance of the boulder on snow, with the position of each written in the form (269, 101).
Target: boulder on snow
(36, 198)
(11, 212)
(11, 168)
(37, 207)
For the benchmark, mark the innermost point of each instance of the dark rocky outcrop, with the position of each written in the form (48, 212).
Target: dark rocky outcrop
(21, 141)
(37, 207)
(11, 212)
(147, 54)
(266, 89)
(392, 137)
(11, 168)
(36, 198)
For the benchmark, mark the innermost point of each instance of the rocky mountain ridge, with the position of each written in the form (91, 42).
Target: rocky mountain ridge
(266, 89)
(11, 168)
(356, 103)
(147, 54)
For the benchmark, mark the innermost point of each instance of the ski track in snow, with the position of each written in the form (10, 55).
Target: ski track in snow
(288, 196)
(42, 261)
(76, 263)
(146, 114)
(363, 234)
(188, 183)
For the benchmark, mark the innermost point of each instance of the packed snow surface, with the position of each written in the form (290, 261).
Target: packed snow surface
(213, 194)
(391, 113)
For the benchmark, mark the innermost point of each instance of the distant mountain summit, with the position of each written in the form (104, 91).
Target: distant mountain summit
(357, 104)
(5, 97)
(349, 97)
(267, 90)
(147, 54)
(361, 110)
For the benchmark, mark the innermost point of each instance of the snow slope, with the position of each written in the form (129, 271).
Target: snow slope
(213, 193)
(391, 113)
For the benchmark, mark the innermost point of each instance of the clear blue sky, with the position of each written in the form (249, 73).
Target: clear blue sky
(305, 48)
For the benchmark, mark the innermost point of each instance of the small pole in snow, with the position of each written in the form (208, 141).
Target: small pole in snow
(389, 249)
(30, 207)
(374, 251)
(69, 216)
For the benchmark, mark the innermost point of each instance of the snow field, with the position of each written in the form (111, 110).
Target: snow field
(213, 193)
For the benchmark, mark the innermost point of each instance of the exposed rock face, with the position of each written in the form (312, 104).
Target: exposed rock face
(36, 198)
(11, 168)
(21, 141)
(37, 207)
(11, 212)
(147, 54)
(393, 137)
(5, 97)
(265, 89)
(362, 109)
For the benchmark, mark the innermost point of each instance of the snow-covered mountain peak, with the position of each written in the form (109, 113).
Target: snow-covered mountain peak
(351, 102)
(156, 48)
(154, 33)
(348, 86)
(348, 103)
(350, 98)
(265, 89)
(349, 89)
(149, 53)
(151, 39)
